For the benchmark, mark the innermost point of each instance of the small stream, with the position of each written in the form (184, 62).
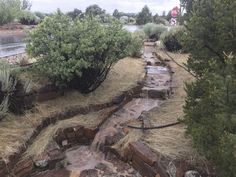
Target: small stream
(90, 160)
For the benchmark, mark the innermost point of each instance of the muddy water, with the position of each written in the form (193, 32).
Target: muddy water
(114, 124)
(90, 160)
(84, 158)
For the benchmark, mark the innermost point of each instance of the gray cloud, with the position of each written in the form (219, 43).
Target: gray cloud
(156, 6)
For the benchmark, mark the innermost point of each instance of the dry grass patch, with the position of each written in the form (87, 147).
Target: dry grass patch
(172, 142)
(124, 75)
(15, 131)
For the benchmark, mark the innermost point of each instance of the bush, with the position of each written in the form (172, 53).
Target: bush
(154, 31)
(160, 20)
(136, 43)
(77, 53)
(8, 84)
(28, 18)
(172, 38)
(15, 94)
(9, 9)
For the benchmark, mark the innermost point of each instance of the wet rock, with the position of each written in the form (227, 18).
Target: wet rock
(56, 156)
(192, 174)
(158, 93)
(23, 168)
(143, 152)
(143, 168)
(114, 137)
(149, 63)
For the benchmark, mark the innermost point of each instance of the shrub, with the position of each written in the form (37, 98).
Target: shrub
(28, 18)
(160, 20)
(9, 9)
(154, 31)
(14, 93)
(172, 38)
(77, 53)
(8, 84)
(136, 44)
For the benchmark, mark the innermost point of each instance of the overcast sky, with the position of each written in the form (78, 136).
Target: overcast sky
(156, 6)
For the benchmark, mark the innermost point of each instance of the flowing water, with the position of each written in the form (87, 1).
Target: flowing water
(90, 160)
(85, 157)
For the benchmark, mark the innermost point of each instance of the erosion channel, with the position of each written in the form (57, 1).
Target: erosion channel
(96, 156)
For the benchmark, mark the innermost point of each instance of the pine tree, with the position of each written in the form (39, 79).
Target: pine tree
(144, 17)
(210, 113)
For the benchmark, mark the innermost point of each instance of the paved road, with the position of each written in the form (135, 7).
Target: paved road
(11, 49)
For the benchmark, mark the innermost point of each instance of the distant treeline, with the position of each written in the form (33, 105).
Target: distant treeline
(20, 11)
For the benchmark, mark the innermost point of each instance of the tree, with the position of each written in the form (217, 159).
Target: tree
(154, 31)
(77, 54)
(159, 20)
(186, 5)
(94, 10)
(116, 14)
(9, 10)
(28, 18)
(168, 17)
(26, 5)
(163, 14)
(145, 16)
(75, 13)
(210, 113)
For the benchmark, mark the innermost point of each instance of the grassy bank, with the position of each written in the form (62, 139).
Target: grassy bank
(15, 131)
